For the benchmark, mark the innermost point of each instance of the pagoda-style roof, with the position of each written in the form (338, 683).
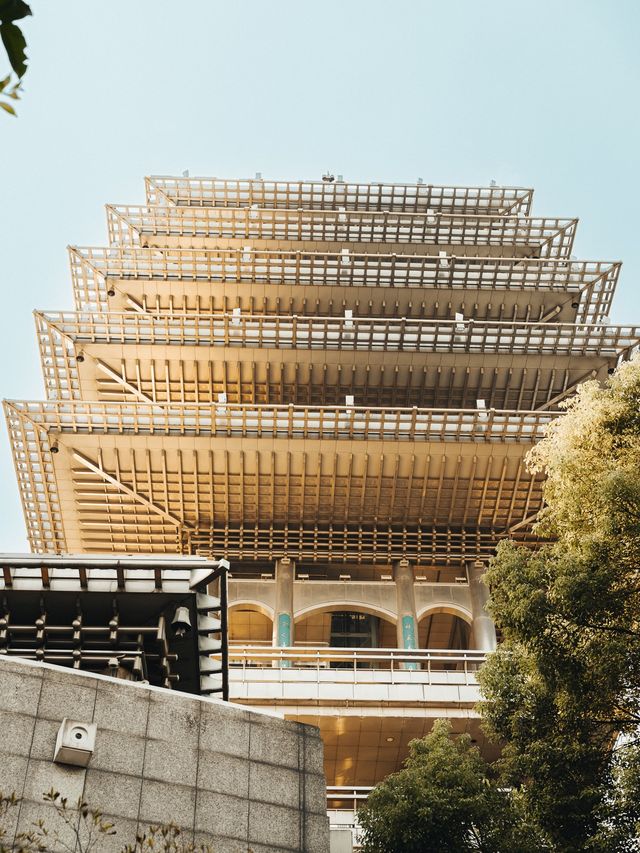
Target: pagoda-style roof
(266, 281)
(209, 227)
(322, 360)
(335, 195)
(326, 370)
(159, 478)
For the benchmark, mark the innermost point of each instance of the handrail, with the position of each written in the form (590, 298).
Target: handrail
(593, 282)
(358, 655)
(355, 793)
(344, 333)
(552, 235)
(223, 192)
(321, 422)
(254, 664)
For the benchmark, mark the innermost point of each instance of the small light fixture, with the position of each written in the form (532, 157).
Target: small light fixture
(386, 577)
(80, 357)
(421, 577)
(54, 448)
(390, 740)
(111, 292)
(345, 577)
(302, 577)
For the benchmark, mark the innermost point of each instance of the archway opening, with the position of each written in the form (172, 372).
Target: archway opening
(346, 628)
(440, 630)
(249, 626)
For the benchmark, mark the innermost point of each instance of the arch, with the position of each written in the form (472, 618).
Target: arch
(249, 604)
(337, 606)
(450, 608)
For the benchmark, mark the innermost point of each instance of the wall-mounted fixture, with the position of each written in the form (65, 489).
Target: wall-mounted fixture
(75, 743)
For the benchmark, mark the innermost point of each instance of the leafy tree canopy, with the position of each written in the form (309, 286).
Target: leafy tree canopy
(565, 683)
(444, 800)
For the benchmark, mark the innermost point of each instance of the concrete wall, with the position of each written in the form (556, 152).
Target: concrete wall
(231, 778)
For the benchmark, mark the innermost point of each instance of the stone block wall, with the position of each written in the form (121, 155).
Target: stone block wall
(235, 779)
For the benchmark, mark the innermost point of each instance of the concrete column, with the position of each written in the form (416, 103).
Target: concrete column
(407, 624)
(484, 631)
(283, 616)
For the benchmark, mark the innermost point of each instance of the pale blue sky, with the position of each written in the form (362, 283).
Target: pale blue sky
(540, 93)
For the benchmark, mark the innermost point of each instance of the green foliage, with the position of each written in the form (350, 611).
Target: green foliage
(566, 681)
(444, 800)
(15, 45)
(11, 34)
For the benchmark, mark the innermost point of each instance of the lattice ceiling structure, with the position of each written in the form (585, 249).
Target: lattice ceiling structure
(329, 371)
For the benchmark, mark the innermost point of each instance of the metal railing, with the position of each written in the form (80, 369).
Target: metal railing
(218, 192)
(331, 333)
(593, 282)
(327, 422)
(280, 663)
(552, 237)
(349, 796)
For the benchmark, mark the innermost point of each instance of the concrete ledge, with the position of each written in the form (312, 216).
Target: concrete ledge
(229, 777)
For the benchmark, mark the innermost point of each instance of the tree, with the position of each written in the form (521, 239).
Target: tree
(15, 45)
(444, 800)
(565, 684)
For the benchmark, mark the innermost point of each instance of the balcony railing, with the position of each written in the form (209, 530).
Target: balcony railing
(428, 666)
(331, 333)
(593, 282)
(325, 195)
(247, 421)
(550, 237)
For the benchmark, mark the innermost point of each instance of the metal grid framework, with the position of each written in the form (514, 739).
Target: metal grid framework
(318, 383)
(380, 544)
(182, 372)
(122, 626)
(437, 317)
(591, 284)
(325, 195)
(157, 496)
(330, 422)
(332, 333)
(535, 236)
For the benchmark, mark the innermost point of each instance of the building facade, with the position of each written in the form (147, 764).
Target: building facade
(333, 386)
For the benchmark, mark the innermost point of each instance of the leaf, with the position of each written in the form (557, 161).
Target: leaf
(13, 10)
(15, 45)
(7, 107)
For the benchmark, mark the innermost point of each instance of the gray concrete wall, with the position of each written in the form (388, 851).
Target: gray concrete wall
(231, 778)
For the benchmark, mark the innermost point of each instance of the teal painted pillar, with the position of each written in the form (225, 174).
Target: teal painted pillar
(407, 625)
(484, 630)
(283, 615)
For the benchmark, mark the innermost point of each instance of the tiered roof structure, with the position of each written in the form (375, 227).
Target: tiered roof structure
(324, 371)
(333, 386)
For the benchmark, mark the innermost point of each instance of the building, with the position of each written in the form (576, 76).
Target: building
(333, 386)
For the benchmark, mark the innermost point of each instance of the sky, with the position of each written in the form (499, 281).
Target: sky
(536, 93)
